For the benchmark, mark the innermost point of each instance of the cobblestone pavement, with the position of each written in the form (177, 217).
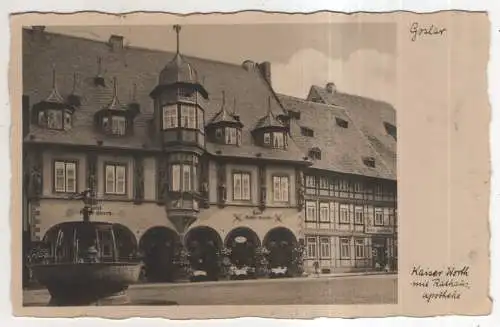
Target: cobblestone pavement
(371, 289)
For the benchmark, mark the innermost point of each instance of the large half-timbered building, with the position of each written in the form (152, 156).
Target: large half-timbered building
(183, 149)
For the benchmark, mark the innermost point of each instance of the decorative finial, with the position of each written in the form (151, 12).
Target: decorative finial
(234, 106)
(134, 91)
(115, 104)
(269, 105)
(99, 64)
(177, 29)
(223, 99)
(54, 94)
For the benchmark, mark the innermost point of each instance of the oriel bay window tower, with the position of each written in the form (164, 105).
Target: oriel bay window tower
(179, 100)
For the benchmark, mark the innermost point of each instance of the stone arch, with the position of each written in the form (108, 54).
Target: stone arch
(280, 242)
(126, 242)
(243, 243)
(158, 247)
(203, 234)
(203, 244)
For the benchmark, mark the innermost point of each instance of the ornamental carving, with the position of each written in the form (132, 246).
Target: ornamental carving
(35, 174)
(138, 179)
(221, 184)
(263, 188)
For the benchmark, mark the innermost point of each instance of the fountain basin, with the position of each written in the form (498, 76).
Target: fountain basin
(75, 284)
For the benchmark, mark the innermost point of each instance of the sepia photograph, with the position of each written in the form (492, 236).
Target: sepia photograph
(163, 172)
(250, 164)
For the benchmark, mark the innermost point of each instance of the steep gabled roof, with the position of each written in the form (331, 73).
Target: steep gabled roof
(140, 67)
(370, 116)
(342, 149)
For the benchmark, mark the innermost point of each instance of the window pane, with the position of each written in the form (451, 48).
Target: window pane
(246, 187)
(186, 186)
(267, 138)
(311, 211)
(237, 186)
(110, 179)
(55, 119)
(284, 189)
(70, 177)
(59, 174)
(324, 214)
(195, 178)
(120, 179)
(276, 188)
(170, 116)
(201, 121)
(192, 117)
(176, 172)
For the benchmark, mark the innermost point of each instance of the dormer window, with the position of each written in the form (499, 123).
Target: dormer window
(270, 131)
(315, 153)
(53, 112)
(116, 119)
(225, 128)
(305, 131)
(342, 122)
(369, 162)
(118, 125)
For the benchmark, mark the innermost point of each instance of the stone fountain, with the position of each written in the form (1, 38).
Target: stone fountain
(84, 265)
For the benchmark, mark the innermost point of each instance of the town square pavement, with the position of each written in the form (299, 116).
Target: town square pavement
(367, 289)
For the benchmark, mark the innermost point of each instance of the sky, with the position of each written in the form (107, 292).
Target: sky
(360, 58)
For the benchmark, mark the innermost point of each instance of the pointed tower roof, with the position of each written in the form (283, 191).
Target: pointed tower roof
(178, 70)
(223, 116)
(115, 103)
(116, 106)
(269, 120)
(54, 96)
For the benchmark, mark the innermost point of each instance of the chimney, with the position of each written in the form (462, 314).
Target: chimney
(38, 32)
(248, 65)
(331, 88)
(116, 42)
(265, 70)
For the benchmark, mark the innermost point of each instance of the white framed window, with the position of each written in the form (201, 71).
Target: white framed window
(379, 217)
(359, 245)
(310, 184)
(267, 138)
(188, 116)
(280, 188)
(358, 215)
(118, 125)
(358, 187)
(218, 133)
(311, 245)
(170, 118)
(278, 140)
(201, 120)
(186, 177)
(176, 177)
(345, 248)
(311, 211)
(65, 176)
(115, 179)
(55, 119)
(325, 252)
(241, 186)
(231, 135)
(344, 214)
(332, 212)
(41, 118)
(323, 183)
(324, 212)
(67, 121)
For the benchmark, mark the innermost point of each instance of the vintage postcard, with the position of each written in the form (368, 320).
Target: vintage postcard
(250, 164)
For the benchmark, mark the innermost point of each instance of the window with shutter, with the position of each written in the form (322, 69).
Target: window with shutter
(245, 194)
(120, 180)
(70, 177)
(176, 178)
(110, 179)
(59, 173)
(186, 178)
(311, 211)
(236, 186)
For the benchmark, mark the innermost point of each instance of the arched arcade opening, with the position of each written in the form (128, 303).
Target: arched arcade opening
(280, 242)
(158, 247)
(203, 244)
(243, 243)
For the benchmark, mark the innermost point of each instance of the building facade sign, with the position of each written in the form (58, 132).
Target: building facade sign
(379, 229)
(258, 215)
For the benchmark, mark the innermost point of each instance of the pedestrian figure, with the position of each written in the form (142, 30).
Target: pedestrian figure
(316, 268)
